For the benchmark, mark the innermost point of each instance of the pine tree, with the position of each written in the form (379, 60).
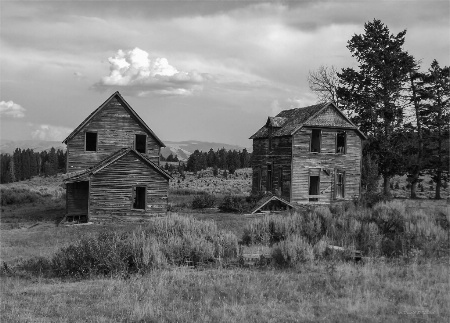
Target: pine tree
(373, 93)
(437, 124)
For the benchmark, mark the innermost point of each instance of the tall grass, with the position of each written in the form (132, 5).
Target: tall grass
(167, 241)
(16, 196)
(386, 230)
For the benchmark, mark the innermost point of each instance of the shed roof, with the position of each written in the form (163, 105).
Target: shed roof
(290, 121)
(111, 159)
(126, 106)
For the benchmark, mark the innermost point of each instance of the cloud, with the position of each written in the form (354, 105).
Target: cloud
(137, 74)
(11, 109)
(49, 132)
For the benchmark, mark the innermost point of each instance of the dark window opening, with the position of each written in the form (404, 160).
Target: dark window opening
(314, 187)
(339, 184)
(141, 143)
(280, 180)
(269, 177)
(315, 140)
(340, 142)
(91, 141)
(139, 197)
(259, 180)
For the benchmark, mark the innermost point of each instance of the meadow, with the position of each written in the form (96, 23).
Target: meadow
(137, 272)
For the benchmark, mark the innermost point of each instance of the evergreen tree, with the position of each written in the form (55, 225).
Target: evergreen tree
(437, 124)
(52, 166)
(373, 93)
(211, 159)
(245, 159)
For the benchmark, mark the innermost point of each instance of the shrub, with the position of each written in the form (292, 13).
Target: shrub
(168, 241)
(203, 201)
(13, 195)
(234, 203)
(292, 251)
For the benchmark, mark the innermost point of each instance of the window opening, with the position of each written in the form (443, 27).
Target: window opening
(339, 185)
(141, 143)
(280, 180)
(340, 142)
(315, 140)
(269, 177)
(139, 197)
(91, 141)
(314, 187)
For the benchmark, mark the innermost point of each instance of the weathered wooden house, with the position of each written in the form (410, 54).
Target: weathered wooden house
(113, 166)
(309, 155)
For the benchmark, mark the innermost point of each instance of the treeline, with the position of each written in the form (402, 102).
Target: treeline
(403, 108)
(171, 158)
(221, 159)
(25, 163)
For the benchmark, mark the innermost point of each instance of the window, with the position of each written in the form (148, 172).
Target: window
(280, 180)
(314, 184)
(314, 187)
(315, 140)
(140, 143)
(340, 142)
(91, 141)
(339, 184)
(139, 197)
(269, 177)
(259, 180)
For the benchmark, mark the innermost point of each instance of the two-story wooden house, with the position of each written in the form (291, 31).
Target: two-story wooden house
(308, 155)
(113, 166)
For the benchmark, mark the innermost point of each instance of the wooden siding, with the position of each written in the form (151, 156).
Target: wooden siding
(279, 157)
(305, 163)
(330, 117)
(116, 129)
(77, 198)
(111, 190)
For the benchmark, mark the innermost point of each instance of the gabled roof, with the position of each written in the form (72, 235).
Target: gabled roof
(266, 200)
(126, 106)
(295, 119)
(111, 159)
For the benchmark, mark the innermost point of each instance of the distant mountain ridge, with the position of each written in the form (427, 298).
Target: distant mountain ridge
(183, 149)
(8, 146)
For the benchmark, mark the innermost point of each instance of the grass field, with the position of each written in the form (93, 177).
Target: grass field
(378, 290)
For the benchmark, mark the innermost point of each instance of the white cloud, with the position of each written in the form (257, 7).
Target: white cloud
(11, 109)
(49, 132)
(134, 71)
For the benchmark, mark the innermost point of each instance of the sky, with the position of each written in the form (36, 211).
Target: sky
(193, 70)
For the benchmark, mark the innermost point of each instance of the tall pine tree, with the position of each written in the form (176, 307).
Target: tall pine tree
(373, 94)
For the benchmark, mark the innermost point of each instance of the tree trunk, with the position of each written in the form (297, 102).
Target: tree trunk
(386, 186)
(416, 172)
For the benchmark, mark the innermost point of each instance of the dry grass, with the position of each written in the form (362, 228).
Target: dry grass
(376, 292)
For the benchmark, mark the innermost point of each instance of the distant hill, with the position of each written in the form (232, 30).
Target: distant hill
(8, 146)
(183, 149)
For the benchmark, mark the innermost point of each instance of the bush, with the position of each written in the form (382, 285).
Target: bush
(233, 203)
(168, 241)
(203, 201)
(13, 195)
(292, 251)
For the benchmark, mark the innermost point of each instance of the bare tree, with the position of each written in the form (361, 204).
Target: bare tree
(324, 82)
